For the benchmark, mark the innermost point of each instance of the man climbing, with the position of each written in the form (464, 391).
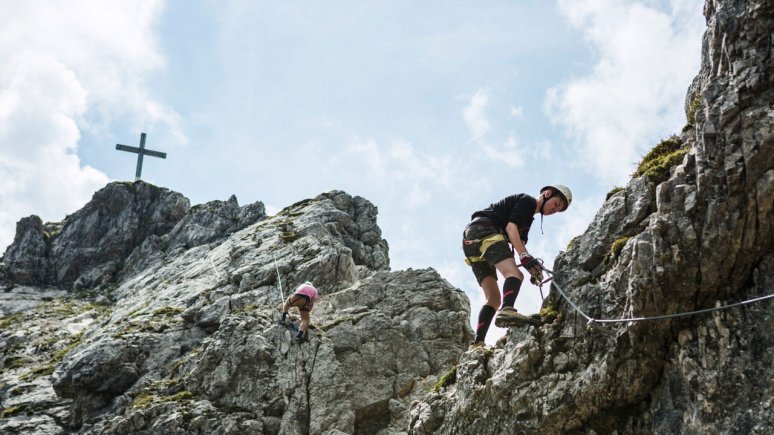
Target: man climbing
(485, 244)
(303, 299)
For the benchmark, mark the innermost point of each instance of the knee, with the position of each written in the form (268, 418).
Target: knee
(515, 273)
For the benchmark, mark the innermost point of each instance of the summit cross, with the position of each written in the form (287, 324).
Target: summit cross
(141, 151)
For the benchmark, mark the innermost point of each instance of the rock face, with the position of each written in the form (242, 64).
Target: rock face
(116, 234)
(188, 340)
(185, 337)
(704, 237)
(91, 244)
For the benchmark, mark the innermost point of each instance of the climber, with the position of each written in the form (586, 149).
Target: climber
(303, 299)
(485, 244)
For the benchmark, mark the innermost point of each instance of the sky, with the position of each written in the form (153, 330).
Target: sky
(430, 110)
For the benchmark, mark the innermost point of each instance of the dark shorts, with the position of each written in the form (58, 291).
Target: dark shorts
(475, 232)
(301, 301)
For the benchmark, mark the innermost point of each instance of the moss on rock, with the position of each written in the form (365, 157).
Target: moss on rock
(615, 190)
(657, 163)
(447, 379)
(617, 246)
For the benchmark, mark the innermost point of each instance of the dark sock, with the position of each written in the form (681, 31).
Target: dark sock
(510, 291)
(484, 319)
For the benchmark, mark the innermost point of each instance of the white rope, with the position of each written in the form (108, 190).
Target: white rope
(212, 263)
(279, 279)
(661, 317)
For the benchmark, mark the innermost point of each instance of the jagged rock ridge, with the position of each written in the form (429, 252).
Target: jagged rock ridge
(186, 339)
(703, 237)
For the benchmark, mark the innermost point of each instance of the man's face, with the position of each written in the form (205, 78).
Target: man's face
(553, 205)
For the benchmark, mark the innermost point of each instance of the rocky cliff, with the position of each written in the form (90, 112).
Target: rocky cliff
(141, 314)
(694, 230)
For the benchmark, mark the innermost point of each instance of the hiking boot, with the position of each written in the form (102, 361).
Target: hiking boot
(508, 316)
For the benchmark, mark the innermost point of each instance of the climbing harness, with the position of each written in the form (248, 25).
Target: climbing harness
(290, 325)
(591, 320)
(486, 243)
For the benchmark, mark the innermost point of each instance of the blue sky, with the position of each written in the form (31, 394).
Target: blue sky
(431, 110)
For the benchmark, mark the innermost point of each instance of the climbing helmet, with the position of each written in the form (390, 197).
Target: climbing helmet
(562, 190)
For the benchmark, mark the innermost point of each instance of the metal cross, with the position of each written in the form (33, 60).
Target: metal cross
(141, 151)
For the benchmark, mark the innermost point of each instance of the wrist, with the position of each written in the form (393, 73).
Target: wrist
(523, 254)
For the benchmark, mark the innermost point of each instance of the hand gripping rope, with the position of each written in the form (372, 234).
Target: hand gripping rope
(640, 319)
(540, 284)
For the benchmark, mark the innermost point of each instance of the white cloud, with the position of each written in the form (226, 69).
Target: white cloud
(370, 154)
(67, 68)
(401, 168)
(38, 140)
(508, 152)
(474, 116)
(635, 91)
(543, 150)
(418, 197)
(517, 112)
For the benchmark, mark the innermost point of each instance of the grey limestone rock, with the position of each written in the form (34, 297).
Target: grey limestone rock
(91, 244)
(25, 260)
(125, 228)
(189, 341)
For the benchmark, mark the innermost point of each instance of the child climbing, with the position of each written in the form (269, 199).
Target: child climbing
(485, 244)
(303, 299)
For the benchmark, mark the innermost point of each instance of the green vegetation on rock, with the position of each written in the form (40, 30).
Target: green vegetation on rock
(168, 311)
(160, 392)
(37, 372)
(447, 379)
(548, 314)
(8, 321)
(12, 411)
(692, 108)
(572, 242)
(657, 163)
(615, 190)
(289, 236)
(617, 246)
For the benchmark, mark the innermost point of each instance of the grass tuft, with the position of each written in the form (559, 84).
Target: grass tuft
(617, 246)
(615, 190)
(692, 108)
(447, 379)
(657, 163)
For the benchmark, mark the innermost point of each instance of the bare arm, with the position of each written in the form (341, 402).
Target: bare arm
(513, 235)
(518, 245)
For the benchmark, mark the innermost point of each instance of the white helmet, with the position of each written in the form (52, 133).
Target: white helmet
(562, 190)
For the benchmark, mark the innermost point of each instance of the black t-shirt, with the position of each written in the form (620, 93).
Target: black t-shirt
(519, 209)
